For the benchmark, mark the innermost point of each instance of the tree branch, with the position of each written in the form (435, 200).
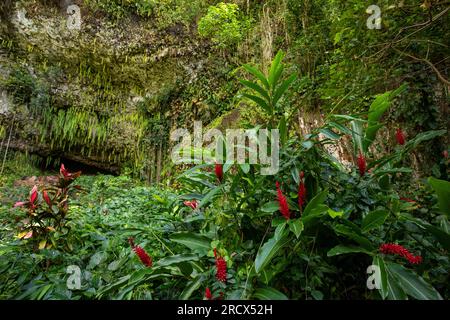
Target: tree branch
(432, 66)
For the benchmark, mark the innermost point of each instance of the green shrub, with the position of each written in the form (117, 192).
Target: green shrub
(223, 24)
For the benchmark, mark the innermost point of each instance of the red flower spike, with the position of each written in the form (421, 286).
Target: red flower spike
(301, 191)
(218, 169)
(193, 204)
(284, 207)
(208, 294)
(33, 195)
(445, 154)
(221, 267)
(393, 248)
(399, 135)
(361, 164)
(143, 256)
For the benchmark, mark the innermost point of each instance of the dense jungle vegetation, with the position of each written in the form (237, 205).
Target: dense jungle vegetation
(93, 206)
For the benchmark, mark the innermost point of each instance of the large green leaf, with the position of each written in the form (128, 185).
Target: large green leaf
(258, 74)
(384, 289)
(296, 226)
(341, 249)
(343, 129)
(421, 137)
(191, 287)
(282, 127)
(316, 213)
(269, 294)
(379, 172)
(412, 283)
(376, 111)
(193, 241)
(441, 235)
(329, 134)
(316, 201)
(177, 259)
(444, 224)
(374, 219)
(395, 291)
(260, 102)
(357, 135)
(442, 189)
(139, 274)
(209, 197)
(264, 94)
(352, 232)
(269, 250)
(282, 89)
(270, 207)
(275, 69)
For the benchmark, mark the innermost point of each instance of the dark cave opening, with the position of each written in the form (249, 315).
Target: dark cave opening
(74, 166)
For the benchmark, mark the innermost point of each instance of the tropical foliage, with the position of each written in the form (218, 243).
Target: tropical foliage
(357, 208)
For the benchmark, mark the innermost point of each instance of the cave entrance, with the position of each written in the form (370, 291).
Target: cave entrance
(74, 166)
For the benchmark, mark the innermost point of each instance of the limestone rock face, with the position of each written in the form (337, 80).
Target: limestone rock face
(91, 93)
(5, 103)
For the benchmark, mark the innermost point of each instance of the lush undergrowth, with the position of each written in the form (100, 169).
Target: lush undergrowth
(223, 235)
(95, 238)
(313, 228)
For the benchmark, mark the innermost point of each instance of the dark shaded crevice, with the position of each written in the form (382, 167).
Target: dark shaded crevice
(92, 164)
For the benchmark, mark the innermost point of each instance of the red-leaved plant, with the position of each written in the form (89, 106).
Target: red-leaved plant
(47, 209)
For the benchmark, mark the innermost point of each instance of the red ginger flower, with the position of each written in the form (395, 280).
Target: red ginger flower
(284, 207)
(140, 252)
(218, 169)
(361, 164)
(301, 191)
(445, 154)
(208, 294)
(221, 266)
(399, 135)
(193, 204)
(143, 256)
(393, 248)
